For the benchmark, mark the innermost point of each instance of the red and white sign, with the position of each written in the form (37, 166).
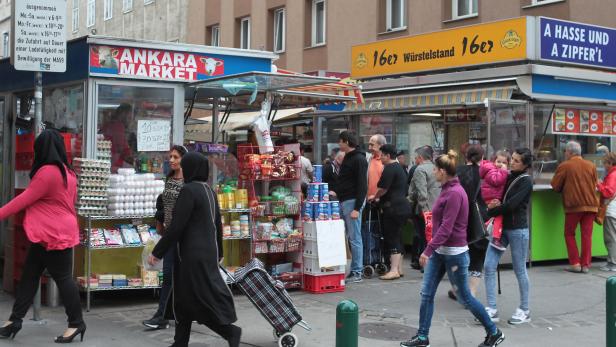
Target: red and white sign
(153, 63)
(583, 122)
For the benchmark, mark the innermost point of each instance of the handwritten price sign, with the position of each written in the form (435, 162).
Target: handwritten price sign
(153, 135)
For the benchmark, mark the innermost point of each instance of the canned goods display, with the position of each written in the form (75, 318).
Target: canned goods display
(323, 211)
(323, 192)
(335, 209)
(313, 192)
(308, 211)
(317, 176)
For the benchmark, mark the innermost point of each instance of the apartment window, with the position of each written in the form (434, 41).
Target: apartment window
(91, 13)
(75, 15)
(108, 14)
(464, 8)
(245, 33)
(279, 30)
(127, 5)
(215, 35)
(318, 22)
(6, 49)
(395, 12)
(147, 2)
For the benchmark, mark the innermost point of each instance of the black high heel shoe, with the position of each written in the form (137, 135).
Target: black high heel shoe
(9, 331)
(68, 339)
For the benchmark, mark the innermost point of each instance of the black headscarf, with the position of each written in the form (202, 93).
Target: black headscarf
(195, 167)
(49, 150)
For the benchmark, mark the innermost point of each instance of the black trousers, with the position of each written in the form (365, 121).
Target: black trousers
(60, 266)
(392, 232)
(182, 331)
(419, 240)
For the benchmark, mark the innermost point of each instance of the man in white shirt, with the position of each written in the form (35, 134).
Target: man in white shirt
(306, 168)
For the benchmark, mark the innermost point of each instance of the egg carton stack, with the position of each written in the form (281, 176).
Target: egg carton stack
(103, 149)
(133, 194)
(92, 187)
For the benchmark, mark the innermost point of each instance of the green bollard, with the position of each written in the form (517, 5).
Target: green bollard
(347, 324)
(610, 311)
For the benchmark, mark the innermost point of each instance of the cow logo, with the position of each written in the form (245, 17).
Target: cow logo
(511, 40)
(361, 61)
(212, 66)
(107, 57)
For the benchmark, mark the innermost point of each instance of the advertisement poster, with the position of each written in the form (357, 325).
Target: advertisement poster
(583, 122)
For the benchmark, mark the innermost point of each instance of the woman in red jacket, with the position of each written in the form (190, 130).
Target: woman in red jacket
(608, 192)
(51, 225)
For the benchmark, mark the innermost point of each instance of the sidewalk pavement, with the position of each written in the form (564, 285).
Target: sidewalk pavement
(566, 309)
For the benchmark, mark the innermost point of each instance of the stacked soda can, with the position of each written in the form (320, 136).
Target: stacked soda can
(317, 205)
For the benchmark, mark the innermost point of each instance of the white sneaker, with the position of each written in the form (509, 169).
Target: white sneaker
(492, 313)
(519, 317)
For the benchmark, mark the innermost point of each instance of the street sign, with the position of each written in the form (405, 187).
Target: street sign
(39, 35)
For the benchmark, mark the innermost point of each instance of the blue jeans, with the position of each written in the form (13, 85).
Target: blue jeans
(456, 267)
(168, 260)
(518, 240)
(353, 231)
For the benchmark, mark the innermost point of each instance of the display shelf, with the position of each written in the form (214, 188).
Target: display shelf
(101, 289)
(111, 247)
(236, 238)
(235, 210)
(116, 217)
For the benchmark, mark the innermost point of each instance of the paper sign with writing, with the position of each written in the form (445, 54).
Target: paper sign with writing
(577, 43)
(330, 243)
(39, 35)
(153, 135)
(473, 45)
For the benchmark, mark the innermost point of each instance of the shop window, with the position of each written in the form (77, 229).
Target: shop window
(330, 131)
(245, 33)
(372, 125)
(6, 48)
(125, 111)
(508, 127)
(279, 30)
(549, 148)
(91, 13)
(215, 36)
(395, 14)
(64, 108)
(75, 23)
(127, 6)
(108, 14)
(413, 133)
(318, 22)
(464, 8)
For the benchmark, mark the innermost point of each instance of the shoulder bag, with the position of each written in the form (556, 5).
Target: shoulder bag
(476, 226)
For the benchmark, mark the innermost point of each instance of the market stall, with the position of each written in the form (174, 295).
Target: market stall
(518, 93)
(120, 102)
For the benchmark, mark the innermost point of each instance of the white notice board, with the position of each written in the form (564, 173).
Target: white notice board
(39, 35)
(153, 135)
(330, 243)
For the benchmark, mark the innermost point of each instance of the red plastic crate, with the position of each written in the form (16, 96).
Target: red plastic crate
(319, 284)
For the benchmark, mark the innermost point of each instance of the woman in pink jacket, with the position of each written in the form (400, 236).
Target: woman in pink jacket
(493, 181)
(51, 225)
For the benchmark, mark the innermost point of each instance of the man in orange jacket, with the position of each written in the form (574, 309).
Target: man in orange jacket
(576, 179)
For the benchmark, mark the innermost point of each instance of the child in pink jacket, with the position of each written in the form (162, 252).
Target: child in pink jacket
(493, 181)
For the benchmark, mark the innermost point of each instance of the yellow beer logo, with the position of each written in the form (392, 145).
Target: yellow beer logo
(361, 61)
(511, 40)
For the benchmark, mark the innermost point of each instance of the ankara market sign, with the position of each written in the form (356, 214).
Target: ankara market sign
(518, 39)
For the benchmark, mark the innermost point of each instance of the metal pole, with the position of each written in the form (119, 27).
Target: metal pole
(38, 103)
(215, 126)
(38, 122)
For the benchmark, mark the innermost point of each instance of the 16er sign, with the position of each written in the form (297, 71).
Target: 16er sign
(153, 63)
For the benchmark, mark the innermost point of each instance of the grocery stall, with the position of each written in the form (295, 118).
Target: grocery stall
(120, 106)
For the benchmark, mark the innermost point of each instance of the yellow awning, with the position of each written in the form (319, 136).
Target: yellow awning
(442, 98)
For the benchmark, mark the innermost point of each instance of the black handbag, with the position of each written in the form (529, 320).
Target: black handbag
(476, 230)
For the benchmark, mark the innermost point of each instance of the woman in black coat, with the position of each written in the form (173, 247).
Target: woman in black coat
(199, 293)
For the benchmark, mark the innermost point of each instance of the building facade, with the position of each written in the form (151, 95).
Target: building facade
(5, 28)
(160, 20)
(317, 35)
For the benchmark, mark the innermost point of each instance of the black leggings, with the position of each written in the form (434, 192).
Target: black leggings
(392, 232)
(59, 264)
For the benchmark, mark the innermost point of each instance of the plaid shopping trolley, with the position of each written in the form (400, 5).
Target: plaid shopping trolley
(271, 299)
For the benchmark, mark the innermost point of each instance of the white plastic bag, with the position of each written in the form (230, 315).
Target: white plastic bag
(148, 247)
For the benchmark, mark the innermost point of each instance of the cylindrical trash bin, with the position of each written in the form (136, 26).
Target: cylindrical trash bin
(52, 295)
(610, 310)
